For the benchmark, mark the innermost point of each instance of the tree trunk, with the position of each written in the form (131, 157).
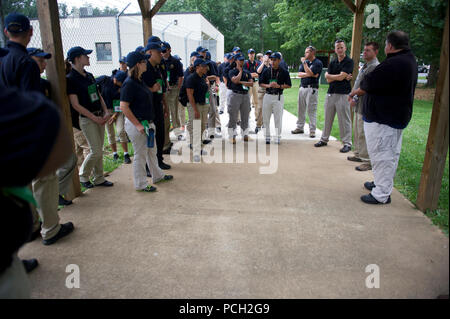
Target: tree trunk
(432, 75)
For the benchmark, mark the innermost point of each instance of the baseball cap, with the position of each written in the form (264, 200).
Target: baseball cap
(235, 49)
(154, 38)
(198, 62)
(16, 23)
(251, 51)
(166, 45)
(240, 58)
(120, 76)
(201, 49)
(275, 55)
(134, 58)
(176, 56)
(208, 55)
(3, 52)
(123, 60)
(195, 53)
(38, 53)
(77, 51)
(154, 46)
(268, 52)
(232, 56)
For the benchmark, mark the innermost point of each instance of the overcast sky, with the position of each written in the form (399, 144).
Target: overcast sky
(119, 4)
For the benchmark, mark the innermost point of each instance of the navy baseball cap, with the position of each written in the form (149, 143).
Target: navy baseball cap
(232, 56)
(77, 51)
(275, 55)
(16, 23)
(123, 60)
(3, 52)
(268, 52)
(195, 53)
(38, 53)
(120, 76)
(154, 39)
(240, 58)
(154, 46)
(200, 49)
(166, 45)
(139, 49)
(251, 51)
(237, 49)
(134, 58)
(198, 62)
(208, 56)
(177, 57)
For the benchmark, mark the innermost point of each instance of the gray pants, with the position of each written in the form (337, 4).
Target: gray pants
(360, 139)
(212, 112)
(65, 173)
(95, 135)
(338, 103)
(239, 104)
(273, 104)
(307, 99)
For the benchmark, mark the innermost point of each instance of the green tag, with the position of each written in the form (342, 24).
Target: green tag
(207, 97)
(168, 76)
(116, 106)
(145, 125)
(24, 193)
(160, 81)
(245, 88)
(273, 80)
(92, 91)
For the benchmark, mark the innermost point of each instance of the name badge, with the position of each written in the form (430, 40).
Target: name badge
(160, 86)
(168, 76)
(273, 80)
(116, 106)
(92, 91)
(245, 88)
(207, 98)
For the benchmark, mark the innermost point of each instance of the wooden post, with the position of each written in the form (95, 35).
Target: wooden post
(48, 14)
(437, 145)
(358, 23)
(147, 15)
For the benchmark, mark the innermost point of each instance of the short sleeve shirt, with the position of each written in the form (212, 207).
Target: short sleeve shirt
(316, 68)
(174, 70)
(85, 88)
(111, 92)
(280, 76)
(139, 96)
(246, 77)
(198, 84)
(150, 77)
(251, 66)
(336, 67)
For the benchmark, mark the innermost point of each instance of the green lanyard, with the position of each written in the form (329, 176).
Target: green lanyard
(92, 91)
(116, 106)
(160, 81)
(207, 97)
(24, 193)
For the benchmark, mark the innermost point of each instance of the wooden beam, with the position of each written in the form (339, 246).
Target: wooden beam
(156, 8)
(48, 14)
(144, 5)
(438, 139)
(358, 23)
(350, 5)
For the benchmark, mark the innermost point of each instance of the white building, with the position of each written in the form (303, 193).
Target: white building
(108, 40)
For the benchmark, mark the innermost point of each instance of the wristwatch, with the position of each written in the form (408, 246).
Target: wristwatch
(355, 98)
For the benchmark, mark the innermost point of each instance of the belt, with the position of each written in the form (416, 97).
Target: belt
(310, 86)
(273, 93)
(97, 113)
(240, 92)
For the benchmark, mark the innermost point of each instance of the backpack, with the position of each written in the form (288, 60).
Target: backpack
(182, 97)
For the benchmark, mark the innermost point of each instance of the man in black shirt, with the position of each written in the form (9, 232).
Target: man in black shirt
(308, 94)
(389, 96)
(222, 85)
(251, 65)
(339, 75)
(274, 79)
(264, 63)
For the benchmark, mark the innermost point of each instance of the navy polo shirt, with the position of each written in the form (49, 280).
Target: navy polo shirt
(226, 74)
(18, 69)
(280, 75)
(316, 68)
(79, 85)
(110, 93)
(336, 67)
(45, 87)
(246, 77)
(174, 70)
(198, 84)
(251, 66)
(150, 77)
(139, 96)
(221, 70)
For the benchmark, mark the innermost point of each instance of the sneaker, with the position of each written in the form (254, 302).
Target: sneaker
(164, 166)
(205, 142)
(65, 230)
(369, 185)
(312, 134)
(354, 159)
(165, 179)
(369, 199)
(220, 112)
(257, 129)
(364, 167)
(148, 189)
(298, 131)
(320, 144)
(106, 183)
(127, 159)
(30, 264)
(267, 140)
(87, 184)
(345, 149)
(64, 202)
(116, 157)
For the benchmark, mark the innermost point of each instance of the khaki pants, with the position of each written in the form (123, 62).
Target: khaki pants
(143, 155)
(239, 104)
(121, 134)
(338, 103)
(222, 96)
(253, 92)
(81, 146)
(182, 114)
(172, 104)
(212, 119)
(65, 173)
(273, 104)
(360, 139)
(14, 282)
(258, 108)
(46, 191)
(307, 99)
(384, 144)
(94, 161)
(203, 109)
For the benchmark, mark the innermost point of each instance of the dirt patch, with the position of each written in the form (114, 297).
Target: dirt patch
(424, 94)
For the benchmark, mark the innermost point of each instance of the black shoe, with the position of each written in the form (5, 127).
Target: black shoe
(164, 166)
(127, 159)
(320, 144)
(369, 199)
(345, 149)
(116, 157)
(220, 112)
(30, 264)
(354, 159)
(267, 140)
(64, 202)
(65, 230)
(206, 142)
(369, 185)
(106, 183)
(87, 184)
(257, 129)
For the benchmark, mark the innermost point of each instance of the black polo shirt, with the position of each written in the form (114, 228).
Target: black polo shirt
(111, 93)
(251, 66)
(246, 77)
(280, 75)
(198, 84)
(140, 98)
(221, 70)
(336, 67)
(316, 68)
(150, 77)
(85, 88)
(45, 87)
(18, 69)
(226, 74)
(174, 70)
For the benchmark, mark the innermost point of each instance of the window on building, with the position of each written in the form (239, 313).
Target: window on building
(103, 50)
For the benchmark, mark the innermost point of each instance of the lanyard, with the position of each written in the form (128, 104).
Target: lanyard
(24, 193)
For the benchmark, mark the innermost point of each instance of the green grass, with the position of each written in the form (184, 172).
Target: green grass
(412, 156)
